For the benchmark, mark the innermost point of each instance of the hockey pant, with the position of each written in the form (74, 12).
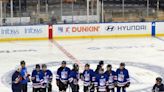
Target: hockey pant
(88, 88)
(121, 89)
(62, 86)
(16, 90)
(49, 88)
(23, 87)
(37, 90)
(110, 90)
(75, 88)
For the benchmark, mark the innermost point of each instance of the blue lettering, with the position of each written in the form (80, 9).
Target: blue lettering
(9, 31)
(33, 30)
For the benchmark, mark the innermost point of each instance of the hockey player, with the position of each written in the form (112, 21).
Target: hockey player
(74, 78)
(112, 78)
(101, 81)
(16, 81)
(99, 66)
(123, 80)
(25, 76)
(88, 77)
(158, 87)
(47, 78)
(37, 79)
(62, 77)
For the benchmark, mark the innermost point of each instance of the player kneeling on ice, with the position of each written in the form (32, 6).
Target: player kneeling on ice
(101, 81)
(62, 77)
(16, 81)
(37, 79)
(88, 76)
(159, 86)
(47, 86)
(74, 78)
(123, 80)
(112, 78)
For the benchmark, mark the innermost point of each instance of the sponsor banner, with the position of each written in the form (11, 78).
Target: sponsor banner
(102, 29)
(159, 28)
(76, 30)
(39, 31)
(126, 28)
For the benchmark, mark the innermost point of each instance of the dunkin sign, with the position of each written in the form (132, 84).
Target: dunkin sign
(85, 28)
(76, 29)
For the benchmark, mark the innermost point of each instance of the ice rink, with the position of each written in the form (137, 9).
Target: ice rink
(144, 57)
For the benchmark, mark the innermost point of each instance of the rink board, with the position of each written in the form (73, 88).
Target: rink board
(159, 28)
(101, 36)
(34, 32)
(103, 30)
(81, 31)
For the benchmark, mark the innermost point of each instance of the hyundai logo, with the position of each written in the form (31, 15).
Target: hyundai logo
(109, 28)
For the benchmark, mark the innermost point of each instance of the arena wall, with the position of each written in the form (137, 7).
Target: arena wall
(78, 31)
(159, 28)
(103, 30)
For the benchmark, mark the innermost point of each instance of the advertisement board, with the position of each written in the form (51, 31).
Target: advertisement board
(159, 28)
(103, 29)
(126, 28)
(37, 31)
(76, 29)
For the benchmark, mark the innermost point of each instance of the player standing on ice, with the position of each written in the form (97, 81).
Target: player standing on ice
(62, 77)
(99, 66)
(25, 76)
(47, 79)
(159, 86)
(112, 78)
(88, 77)
(74, 78)
(37, 79)
(101, 81)
(123, 80)
(16, 81)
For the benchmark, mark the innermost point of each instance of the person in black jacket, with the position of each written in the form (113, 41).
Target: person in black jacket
(159, 86)
(16, 81)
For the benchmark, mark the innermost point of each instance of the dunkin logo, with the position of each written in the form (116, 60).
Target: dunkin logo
(86, 29)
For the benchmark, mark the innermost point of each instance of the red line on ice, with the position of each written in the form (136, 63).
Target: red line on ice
(69, 55)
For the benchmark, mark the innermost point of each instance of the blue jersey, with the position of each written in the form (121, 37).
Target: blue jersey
(37, 78)
(101, 82)
(16, 84)
(88, 77)
(74, 77)
(47, 76)
(112, 78)
(122, 77)
(24, 75)
(63, 74)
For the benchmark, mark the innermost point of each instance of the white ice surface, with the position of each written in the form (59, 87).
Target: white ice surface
(148, 51)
